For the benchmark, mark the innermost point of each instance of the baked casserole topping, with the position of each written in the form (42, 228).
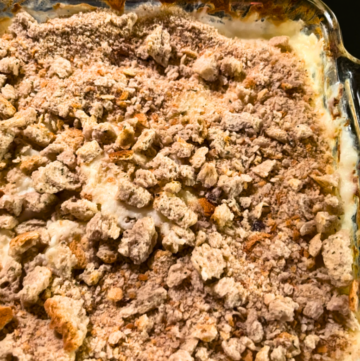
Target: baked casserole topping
(167, 193)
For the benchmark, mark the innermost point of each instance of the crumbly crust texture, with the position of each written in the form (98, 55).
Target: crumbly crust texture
(167, 193)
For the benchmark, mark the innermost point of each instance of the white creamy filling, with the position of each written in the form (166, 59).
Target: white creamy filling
(25, 185)
(310, 49)
(62, 230)
(5, 238)
(346, 169)
(252, 28)
(103, 192)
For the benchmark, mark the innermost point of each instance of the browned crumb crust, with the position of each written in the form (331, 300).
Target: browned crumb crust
(167, 193)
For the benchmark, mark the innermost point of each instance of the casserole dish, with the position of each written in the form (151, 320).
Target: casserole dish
(69, 262)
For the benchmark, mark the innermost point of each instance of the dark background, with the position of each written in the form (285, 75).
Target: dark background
(348, 15)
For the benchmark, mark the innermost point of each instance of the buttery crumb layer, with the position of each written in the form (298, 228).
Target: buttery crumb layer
(170, 193)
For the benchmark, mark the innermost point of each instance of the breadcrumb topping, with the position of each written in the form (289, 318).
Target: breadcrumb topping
(166, 193)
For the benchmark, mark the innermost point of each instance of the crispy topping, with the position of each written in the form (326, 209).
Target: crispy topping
(171, 188)
(69, 319)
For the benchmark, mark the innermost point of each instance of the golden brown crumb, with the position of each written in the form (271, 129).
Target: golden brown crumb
(167, 193)
(115, 294)
(6, 315)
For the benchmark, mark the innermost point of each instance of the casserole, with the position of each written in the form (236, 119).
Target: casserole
(332, 72)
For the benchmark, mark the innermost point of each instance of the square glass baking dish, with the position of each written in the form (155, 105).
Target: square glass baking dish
(341, 71)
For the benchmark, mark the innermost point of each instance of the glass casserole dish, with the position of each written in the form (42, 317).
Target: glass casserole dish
(335, 74)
